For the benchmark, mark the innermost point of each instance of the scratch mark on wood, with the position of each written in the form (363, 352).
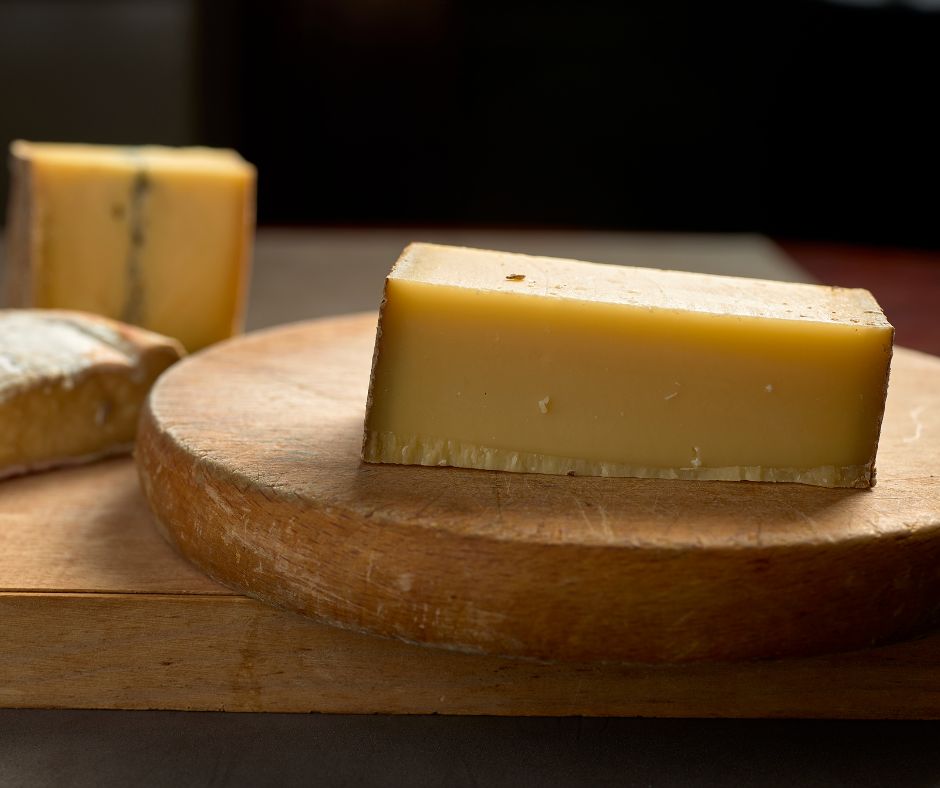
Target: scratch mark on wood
(915, 414)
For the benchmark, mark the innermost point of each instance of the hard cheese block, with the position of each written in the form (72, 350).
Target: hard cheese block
(516, 363)
(71, 386)
(158, 237)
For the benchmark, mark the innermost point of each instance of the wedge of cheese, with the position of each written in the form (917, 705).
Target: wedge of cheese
(508, 362)
(158, 237)
(71, 386)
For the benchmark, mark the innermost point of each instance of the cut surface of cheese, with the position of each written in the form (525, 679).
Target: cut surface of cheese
(508, 362)
(71, 386)
(153, 236)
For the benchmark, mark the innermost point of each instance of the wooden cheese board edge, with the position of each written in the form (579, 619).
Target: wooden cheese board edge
(805, 610)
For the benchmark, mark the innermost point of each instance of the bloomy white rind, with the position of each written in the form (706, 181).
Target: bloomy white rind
(46, 358)
(54, 347)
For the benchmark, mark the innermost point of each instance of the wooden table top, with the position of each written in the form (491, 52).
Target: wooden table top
(308, 273)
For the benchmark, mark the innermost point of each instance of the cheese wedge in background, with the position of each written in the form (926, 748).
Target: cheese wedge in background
(509, 362)
(71, 386)
(153, 236)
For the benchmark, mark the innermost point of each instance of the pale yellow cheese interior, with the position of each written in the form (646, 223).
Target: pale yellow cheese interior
(157, 237)
(499, 361)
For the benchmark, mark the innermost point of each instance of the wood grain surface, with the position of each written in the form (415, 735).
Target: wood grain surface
(88, 529)
(231, 653)
(249, 456)
(98, 611)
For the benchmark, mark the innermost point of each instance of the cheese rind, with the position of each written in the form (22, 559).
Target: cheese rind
(157, 237)
(417, 450)
(71, 386)
(508, 362)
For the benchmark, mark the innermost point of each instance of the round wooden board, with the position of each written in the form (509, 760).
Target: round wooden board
(249, 456)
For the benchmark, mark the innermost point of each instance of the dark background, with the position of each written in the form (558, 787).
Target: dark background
(813, 120)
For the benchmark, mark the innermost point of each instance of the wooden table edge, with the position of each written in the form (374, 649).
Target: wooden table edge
(174, 651)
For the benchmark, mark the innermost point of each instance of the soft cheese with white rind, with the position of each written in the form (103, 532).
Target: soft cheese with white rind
(509, 362)
(154, 236)
(71, 386)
